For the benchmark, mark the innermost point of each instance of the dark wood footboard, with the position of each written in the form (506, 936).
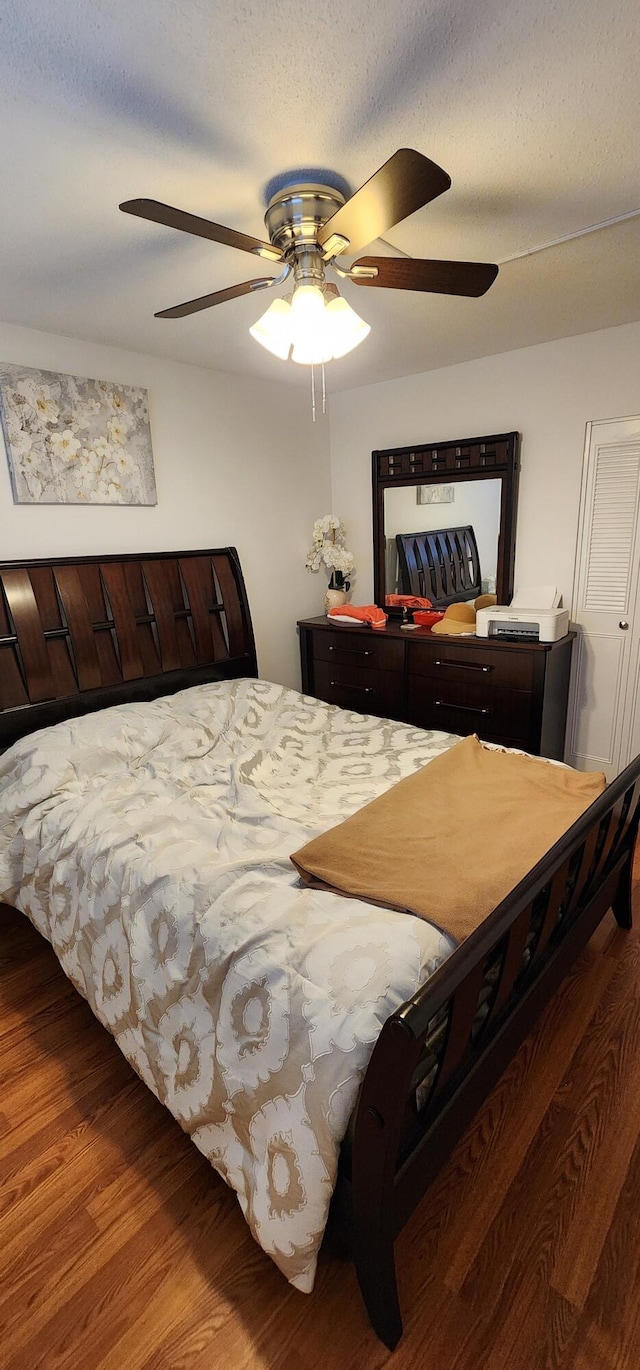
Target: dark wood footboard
(441, 1053)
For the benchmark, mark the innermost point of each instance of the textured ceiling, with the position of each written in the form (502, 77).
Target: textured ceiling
(532, 108)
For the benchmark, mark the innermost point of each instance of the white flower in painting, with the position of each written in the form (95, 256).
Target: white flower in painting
(14, 402)
(30, 462)
(122, 463)
(30, 466)
(38, 403)
(112, 397)
(20, 441)
(101, 450)
(93, 458)
(46, 407)
(85, 471)
(92, 474)
(64, 445)
(104, 389)
(85, 411)
(107, 491)
(117, 428)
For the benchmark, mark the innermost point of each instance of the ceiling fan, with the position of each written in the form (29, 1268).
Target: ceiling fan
(310, 226)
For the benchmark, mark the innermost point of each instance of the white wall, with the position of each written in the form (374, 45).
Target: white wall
(547, 393)
(237, 462)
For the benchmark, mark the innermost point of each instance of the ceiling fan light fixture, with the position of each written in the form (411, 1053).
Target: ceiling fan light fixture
(345, 328)
(273, 329)
(309, 332)
(311, 353)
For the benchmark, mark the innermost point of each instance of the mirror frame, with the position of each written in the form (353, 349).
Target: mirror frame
(460, 459)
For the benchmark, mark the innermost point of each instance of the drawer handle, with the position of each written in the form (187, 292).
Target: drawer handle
(364, 689)
(353, 651)
(468, 708)
(465, 666)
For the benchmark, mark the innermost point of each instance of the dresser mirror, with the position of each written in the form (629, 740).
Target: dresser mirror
(444, 520)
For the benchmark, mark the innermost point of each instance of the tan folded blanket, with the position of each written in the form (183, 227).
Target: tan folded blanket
(451, 841)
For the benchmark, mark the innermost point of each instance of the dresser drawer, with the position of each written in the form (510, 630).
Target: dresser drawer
(452, 662)
(362, 688)
(508, 693)
(493, 711)
(360, 648)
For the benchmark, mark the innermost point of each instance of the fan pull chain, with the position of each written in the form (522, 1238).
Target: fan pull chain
(313, 392)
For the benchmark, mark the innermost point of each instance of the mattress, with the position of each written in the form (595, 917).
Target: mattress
(150, 844)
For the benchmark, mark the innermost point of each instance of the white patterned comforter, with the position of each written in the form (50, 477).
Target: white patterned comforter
(150, 844)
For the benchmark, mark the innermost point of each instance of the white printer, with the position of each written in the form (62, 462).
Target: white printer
(534, 615)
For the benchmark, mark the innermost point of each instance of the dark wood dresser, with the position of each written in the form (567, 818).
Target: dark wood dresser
(509, 692)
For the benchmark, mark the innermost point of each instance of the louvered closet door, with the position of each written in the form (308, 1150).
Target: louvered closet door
(604, 722)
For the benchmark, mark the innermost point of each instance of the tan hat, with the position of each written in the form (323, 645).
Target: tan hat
(485, 601)
(458, 618)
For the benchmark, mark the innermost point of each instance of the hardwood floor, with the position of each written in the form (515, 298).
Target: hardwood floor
(120, 1248)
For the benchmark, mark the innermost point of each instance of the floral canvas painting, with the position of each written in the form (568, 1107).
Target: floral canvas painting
(75, 441)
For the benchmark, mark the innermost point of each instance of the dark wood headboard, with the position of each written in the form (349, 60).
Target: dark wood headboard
(83, 633)
(442, 564)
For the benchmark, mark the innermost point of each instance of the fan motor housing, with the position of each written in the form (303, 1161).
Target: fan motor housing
(297, 212)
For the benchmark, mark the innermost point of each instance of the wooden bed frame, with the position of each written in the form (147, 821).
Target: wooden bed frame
(79, 634)
(83, 633)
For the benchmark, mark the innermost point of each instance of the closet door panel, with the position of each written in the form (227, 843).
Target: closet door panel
(602, 715)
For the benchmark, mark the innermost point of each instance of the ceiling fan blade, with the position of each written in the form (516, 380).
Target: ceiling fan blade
(180, 311)
(440, 278)
(405, 183)
(159, 213)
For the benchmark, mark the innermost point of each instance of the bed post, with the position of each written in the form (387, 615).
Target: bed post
(376, 1271)
(376, 1138)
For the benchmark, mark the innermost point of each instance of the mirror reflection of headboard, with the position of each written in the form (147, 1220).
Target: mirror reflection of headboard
(477, 478)
(442, 563)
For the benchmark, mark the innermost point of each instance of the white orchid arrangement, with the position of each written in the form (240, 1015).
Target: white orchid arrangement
(328, 548)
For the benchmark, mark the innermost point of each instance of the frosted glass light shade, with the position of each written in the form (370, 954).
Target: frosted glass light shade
(273, 329)
(311, 343)
(313, 328)
(345, 328)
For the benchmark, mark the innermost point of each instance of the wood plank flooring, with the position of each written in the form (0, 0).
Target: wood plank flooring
(120, 1248)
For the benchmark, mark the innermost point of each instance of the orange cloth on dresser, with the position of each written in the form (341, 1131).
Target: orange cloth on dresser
(407, 602)
(365, 613)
